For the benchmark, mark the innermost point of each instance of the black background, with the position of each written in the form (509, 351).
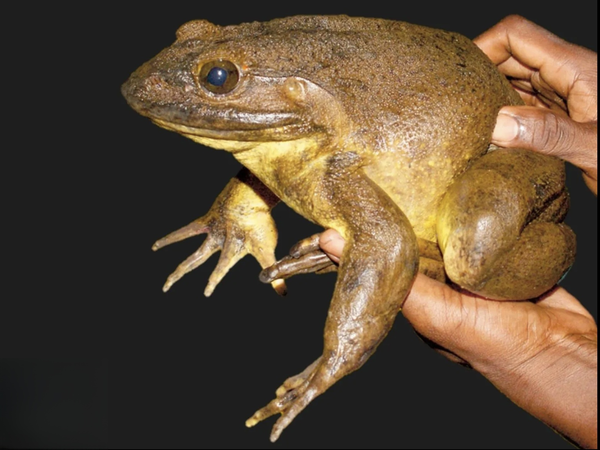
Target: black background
(91, 185)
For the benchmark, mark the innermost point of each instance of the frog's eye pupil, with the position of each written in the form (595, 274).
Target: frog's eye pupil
(217, 76)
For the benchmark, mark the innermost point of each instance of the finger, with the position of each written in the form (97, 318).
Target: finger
(561, 299)
(453, 357)
(514, 69)
(274, 407)
(527, 93)
(329, 269)
(232, 252)
(517, 37)
(558, 61)
(209, 247)
(438, 312)
(333, 244)
(548, 132)
(266, 258)
(444, 352)
(532, 97)
(290, 414)
(295, 381)
(305, 246)
(290, 266)
(193, 229)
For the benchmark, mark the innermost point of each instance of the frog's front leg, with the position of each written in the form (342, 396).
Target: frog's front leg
(378, 266)
(239, 223)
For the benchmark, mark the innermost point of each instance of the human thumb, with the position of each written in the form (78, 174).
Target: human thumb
(442, 314)
(546, 131)
(332, 243)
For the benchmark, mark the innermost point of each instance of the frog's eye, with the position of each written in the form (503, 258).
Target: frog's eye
(219, 77)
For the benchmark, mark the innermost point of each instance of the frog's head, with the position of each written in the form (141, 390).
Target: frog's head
(236, 87)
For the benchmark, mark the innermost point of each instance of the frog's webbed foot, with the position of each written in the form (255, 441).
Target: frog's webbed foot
(233, 243)
(238, 224)
(292, 397)
(305, 257)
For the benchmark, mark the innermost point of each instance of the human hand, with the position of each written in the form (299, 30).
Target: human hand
(542, 354)
(559, 83)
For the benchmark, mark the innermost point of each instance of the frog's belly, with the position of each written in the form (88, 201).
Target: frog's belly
(417, 187)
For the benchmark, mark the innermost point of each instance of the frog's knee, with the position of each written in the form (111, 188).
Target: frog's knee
(479, 221)
(473, 250)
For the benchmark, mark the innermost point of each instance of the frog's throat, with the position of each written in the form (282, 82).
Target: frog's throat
(233, 141)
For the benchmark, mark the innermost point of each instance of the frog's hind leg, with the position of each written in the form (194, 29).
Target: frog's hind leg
(307, 257)
(377, 269)
(500, 226)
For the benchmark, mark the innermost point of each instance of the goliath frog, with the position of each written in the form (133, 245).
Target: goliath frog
(378, 129)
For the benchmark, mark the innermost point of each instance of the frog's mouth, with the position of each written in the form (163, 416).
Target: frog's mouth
(234, 140)
(248, 132)
(206, 121)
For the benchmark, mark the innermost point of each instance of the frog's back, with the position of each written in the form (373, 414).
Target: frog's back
(423, 101)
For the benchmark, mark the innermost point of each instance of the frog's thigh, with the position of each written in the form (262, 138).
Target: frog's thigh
(378, 266)
(499, 226)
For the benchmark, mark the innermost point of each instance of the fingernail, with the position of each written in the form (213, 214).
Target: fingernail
(328, 237)
(507, 129)
(325, 240)
(332, 257)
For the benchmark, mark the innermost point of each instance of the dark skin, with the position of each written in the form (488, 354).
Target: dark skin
(541, 354)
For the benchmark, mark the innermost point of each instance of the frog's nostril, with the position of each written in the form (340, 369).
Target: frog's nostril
(139, 89)
(153, 82)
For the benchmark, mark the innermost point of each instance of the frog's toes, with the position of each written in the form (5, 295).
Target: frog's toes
(266, 258)
(289, 266)
(232, 252)
(303, 256)
(234, 242)
(297, 380)
(193, 229)
(277, 406)
(306, 246)
(291, 398)
(289, 406)
(209, 247)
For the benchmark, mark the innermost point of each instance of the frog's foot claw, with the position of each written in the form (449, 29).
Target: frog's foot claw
(292, 397)
(234, 250)
(305, 257)
(280, 287)
(233, 243)
(294, 382)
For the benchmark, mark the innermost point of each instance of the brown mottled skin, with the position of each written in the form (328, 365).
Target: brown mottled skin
(380, 130)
